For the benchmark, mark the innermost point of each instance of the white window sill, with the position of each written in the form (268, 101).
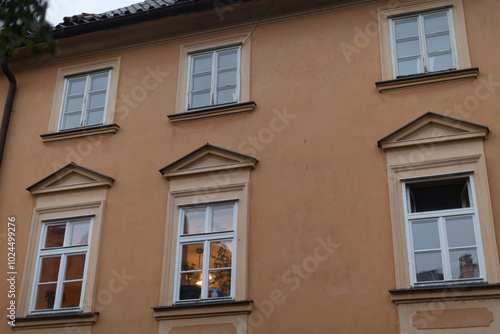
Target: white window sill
(212, 112)
(65, 319)
(65, 135)
(427, 80)
(445, 292)
(201, 310)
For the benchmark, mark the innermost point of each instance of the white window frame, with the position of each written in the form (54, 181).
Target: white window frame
(64, 252)
(440, 215)
(213, 85)
(424, 59)
(84, 116)
(205, 238)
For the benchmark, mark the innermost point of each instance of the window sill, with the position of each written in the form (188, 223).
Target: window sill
(212, 112)
(445, 293)
(426, 80)
(202, 310)
(39, 321)
(95, 131)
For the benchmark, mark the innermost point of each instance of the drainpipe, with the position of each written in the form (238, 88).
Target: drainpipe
(8, 105)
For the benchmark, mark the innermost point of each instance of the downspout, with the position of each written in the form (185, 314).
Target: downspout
(8, 105)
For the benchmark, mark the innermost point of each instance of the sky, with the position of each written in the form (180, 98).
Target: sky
(61, 8)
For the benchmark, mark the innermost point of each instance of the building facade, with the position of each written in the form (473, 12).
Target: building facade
(257, 167)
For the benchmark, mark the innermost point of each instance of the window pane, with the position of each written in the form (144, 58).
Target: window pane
(55, 235)
(431, 197)
(408, 47)
(201, 81)
(436, 22)
(50, 269)
(439, 42)
(222, 218)
(75, 265)
(99, 82)
(80, 233)
(406, 28)
(95, 116)
(228, 58)
(76, 86)
(190, 287)
(46, 296)
(226, 78)
(194, 221)
(409, 66)
(220, 283)
(71, 296)
(201, 99)
(460, 231)
(226, 95)
(74, 103)
(428, 266)
(441, 62)
(192, 257)
(71, 120)
(425, 234)
(220, 254)
(202, 63)
(97, 100)
(464, 263)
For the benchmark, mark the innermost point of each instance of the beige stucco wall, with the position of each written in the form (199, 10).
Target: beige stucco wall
(320, 245)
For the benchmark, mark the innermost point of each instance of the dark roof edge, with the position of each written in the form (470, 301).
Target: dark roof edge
(138, 17)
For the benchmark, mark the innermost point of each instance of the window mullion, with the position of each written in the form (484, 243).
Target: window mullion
(85, 98)
(204, 276)
(424, 61)
(213, 85)
(444, 248)
(60, 280)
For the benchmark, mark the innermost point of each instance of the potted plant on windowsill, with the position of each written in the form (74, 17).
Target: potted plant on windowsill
(189, 290)
(467, 266)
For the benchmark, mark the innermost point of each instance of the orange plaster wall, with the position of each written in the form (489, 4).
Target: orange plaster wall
(320, 248)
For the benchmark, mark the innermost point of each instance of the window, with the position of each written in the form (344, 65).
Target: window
(444, 242)
(61, 266)
(423, 43)
(205, 252)
(60, 271)
(84, 102)
(205, 264)
(214, 78)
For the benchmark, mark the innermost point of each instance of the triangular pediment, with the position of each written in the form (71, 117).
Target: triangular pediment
(207, 159)
(70, 177)
(432, 128)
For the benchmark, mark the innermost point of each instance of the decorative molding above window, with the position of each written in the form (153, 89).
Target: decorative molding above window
(431, 147)
(209, 188)
(70, 200)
